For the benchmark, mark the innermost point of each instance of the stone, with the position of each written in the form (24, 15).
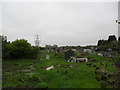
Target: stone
(47, 57)
(49, 68)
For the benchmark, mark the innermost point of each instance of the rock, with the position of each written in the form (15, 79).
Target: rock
(58, 65)
(49, 68)
(47, 57)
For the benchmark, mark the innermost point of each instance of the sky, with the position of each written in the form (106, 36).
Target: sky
(119, 18)
(61, 23)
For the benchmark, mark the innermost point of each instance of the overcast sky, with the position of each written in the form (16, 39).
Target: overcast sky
(119, 18)
(61, 23)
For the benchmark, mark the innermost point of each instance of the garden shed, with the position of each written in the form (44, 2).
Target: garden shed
(68, 53)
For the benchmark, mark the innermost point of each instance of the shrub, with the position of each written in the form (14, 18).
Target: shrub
(19, 49)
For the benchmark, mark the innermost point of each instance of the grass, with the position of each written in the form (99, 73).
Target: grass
(78, 76)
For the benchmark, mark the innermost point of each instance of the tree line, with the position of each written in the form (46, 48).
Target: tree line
(18, 49)
(112, 43)
(22, 49)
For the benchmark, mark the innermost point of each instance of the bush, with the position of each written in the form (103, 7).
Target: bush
(34, 52)
(19, 49)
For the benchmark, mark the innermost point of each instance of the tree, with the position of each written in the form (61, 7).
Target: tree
(20, 49)
(102, 42)
(111, 43)
(118, 38)
(103, 48)
(112, 38)
(4, 43)
(17, 49)
(34, 52)
(114, 45)
(119, 45)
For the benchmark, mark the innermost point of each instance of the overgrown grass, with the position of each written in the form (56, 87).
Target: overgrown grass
(79, 75)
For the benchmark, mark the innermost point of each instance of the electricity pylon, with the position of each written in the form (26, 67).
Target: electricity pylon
(37, 43)
(37, 40)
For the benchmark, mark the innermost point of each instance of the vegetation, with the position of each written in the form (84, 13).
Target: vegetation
(25, 66)
(18, 49)
(64, 75)
(111, 43)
